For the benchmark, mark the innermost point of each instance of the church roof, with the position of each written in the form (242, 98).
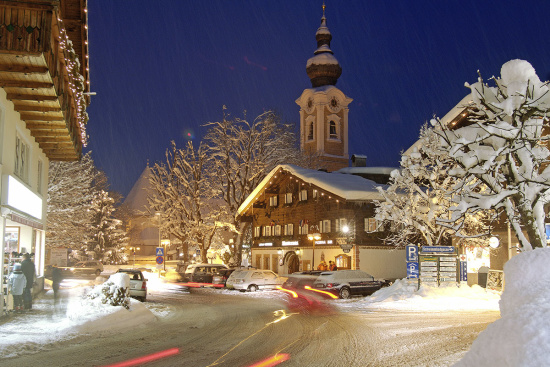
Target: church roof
(136, 200)
(323, 68)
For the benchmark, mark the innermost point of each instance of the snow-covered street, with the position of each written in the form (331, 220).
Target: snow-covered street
(396, 326)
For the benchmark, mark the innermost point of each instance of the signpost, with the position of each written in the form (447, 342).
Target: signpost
(438, 265)
(160, 257)
(412, 262)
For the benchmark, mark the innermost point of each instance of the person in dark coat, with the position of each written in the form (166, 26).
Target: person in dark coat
(27, 266)
(56, 281)
(16, 283)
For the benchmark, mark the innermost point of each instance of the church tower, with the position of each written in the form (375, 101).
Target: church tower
(323, 107)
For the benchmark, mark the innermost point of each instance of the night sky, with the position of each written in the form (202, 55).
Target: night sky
(162, 69)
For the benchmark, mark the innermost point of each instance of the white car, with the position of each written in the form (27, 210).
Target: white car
(138, 283)
(253, 279)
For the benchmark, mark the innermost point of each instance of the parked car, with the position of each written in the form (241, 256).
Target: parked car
(345, 283)
(138, 283)
(253, 280)
(202, 273)
(221, 278)
(83, 268)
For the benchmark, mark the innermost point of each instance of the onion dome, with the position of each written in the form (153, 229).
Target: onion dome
(323, 68)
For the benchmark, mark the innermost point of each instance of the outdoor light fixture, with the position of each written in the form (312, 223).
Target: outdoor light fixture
(313, 237)
(280, 252)
(345, 229)
(494, 242)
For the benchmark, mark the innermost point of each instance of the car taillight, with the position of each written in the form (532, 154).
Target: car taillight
(144, 285)
(330, 285)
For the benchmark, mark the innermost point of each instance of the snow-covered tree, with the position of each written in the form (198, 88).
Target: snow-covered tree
(416, 197)
(242, 153)
(183, 195)
(70, 192)
(106, 237)
(500, 156)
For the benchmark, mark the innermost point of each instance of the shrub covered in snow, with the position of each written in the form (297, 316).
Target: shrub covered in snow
(115, 291)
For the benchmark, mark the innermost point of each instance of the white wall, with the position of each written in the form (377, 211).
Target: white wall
(382, 263)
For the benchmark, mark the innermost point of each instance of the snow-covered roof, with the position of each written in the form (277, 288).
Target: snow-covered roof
(136, 199)
(450, 116)
(348, 187)
(325, 58)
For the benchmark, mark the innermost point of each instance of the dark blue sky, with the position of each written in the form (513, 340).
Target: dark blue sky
(162, 69)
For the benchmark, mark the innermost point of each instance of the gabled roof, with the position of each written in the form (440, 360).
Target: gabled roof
(346, 186)
(136, 200)
(453, 117)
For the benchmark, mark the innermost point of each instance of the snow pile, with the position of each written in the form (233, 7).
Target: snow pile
(115, 291)
(404, 295)
(520, 337)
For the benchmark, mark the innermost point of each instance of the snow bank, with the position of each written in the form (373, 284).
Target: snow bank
(520, 337)
(403, 295)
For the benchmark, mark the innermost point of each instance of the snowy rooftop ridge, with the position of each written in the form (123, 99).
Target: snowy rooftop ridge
(348, 187)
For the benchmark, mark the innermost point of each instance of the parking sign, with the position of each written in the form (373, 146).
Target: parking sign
(412, 253)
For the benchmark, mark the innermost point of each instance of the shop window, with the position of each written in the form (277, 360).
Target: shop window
(343, 262)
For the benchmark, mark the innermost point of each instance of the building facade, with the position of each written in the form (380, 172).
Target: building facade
(44, 80)
(302, 217)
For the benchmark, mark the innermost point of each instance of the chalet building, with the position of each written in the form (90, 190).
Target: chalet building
(44, 80)
(301, 217)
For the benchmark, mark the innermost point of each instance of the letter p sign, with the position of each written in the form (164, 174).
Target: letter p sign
(412, 252)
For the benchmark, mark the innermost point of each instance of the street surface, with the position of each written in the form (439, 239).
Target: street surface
(212, 327)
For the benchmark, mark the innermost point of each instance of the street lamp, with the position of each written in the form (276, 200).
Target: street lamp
(313, 237)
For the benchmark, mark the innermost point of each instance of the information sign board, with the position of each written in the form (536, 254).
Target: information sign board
(463, 271)
(438, 250)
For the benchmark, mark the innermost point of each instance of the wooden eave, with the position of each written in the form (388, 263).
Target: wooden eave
(34, 71)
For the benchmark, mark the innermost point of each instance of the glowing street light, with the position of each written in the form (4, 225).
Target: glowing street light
(313, 237)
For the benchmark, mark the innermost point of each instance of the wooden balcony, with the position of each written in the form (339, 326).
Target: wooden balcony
(44, 74)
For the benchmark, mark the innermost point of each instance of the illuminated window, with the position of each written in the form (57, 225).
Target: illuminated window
(303, 229)
(324, 226)
(372, 225)
(333, 134)
(273, 201)
(277, 230)
(257, 231)
(303, 195)
(288, 198)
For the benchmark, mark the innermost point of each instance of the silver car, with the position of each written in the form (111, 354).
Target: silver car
(138, 284)
(253, 279)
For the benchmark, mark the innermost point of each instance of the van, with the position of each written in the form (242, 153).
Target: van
(345, 283)
(202, 273)
(253, 279)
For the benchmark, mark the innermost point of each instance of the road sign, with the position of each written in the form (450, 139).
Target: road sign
(438, 249)
(160, 260)
(412, 253)
(160, 251)
(463, 271)
(412, 270)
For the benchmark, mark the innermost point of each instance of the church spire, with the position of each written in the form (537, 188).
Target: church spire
(323, 68)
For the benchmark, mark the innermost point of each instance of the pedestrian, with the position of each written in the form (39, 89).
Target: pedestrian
(27, 266)
(322, 266)
(332, 266)
(56, 281)
(16, 285)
